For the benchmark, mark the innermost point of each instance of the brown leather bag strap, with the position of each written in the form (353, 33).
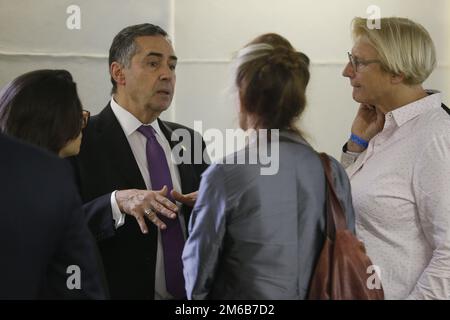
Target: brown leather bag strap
(335, 213)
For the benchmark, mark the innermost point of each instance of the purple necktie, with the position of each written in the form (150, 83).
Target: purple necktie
(172, 236)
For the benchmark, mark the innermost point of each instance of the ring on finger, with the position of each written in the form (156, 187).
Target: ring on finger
(149, 212)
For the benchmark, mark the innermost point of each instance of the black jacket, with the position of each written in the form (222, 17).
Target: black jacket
(43, 230)
(106, 163)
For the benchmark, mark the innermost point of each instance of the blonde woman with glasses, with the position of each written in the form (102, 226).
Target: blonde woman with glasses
(397, 159)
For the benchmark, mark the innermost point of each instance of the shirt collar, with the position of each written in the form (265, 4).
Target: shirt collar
(129, 122)
(416, 108)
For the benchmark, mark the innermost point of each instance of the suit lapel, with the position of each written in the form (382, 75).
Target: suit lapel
(113, 139)
(120, 155)
(186, 173)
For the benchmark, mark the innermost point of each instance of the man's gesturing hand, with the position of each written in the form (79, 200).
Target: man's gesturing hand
(146, 203)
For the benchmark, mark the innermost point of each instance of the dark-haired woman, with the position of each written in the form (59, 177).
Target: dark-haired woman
(42, 107)
(257, 236)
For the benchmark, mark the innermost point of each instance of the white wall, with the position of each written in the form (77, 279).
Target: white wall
(33, 35)
(206, 33)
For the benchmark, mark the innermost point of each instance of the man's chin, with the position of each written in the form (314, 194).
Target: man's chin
(164, 107)
(160, 107)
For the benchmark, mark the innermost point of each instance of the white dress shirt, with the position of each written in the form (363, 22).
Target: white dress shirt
(138, 141)
(401, 194)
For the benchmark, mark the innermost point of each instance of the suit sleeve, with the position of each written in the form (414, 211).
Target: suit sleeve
(207, 228)
(98, 211)
(98, 214)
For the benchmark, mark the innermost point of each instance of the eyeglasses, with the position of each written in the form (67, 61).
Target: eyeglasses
(85, 119)
(355, 62)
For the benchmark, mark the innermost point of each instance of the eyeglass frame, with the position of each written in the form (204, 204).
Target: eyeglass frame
(355, 62)
(85, 116)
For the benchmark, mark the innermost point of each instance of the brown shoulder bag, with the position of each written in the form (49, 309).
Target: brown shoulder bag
(343, 270)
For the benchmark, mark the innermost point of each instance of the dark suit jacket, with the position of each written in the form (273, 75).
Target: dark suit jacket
(98, 214)
(43, 230)
(106, 163)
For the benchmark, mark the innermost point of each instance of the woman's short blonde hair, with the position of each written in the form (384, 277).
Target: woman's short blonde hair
(403, 46)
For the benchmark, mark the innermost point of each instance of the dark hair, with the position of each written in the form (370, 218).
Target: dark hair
(123, 47)
(42, 107)
(272, 80)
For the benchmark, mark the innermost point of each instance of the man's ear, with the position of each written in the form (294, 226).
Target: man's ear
(116, 70)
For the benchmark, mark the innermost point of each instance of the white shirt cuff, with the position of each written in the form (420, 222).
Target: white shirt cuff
(119, 217)
(348, 158)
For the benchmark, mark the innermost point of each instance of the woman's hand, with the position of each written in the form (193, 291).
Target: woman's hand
(369, 121)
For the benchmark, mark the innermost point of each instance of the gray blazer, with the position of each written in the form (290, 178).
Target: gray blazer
(258, 237)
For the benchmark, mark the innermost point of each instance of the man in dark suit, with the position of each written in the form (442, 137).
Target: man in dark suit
(141, 258)
(47, 250)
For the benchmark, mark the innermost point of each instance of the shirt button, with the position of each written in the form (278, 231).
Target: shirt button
(389, 115)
